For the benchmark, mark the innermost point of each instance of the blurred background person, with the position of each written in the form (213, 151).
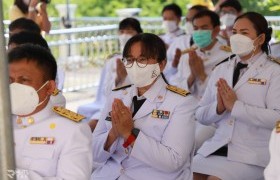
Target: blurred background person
(31, 9)
(171, 15)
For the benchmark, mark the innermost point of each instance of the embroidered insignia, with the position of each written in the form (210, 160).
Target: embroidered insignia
(41, 140)
(193, 48)
(257, 81)
(160, 114)
(68, 114)
(225, 48)
(177, 90)
(277, 127)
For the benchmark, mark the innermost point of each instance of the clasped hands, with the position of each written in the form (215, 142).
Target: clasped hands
(226, 97)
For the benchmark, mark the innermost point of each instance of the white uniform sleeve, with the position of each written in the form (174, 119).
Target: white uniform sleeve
(263, 117)
(176, 145)
(271, 172)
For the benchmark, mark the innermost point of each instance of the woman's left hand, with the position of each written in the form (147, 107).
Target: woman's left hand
(227, 94)
(121, 118)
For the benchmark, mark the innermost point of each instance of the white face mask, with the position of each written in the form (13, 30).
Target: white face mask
(241, 45)
(26, 2)
(123, 38)
(228, 19)
(189, 27)
(24, 99)
(169, 26)
(142, 77)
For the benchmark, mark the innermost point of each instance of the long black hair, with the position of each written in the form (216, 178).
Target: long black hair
(22, 6)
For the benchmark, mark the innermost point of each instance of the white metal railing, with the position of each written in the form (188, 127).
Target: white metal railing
(82, 51)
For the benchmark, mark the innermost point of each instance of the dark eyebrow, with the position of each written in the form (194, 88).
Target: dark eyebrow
(240, 29)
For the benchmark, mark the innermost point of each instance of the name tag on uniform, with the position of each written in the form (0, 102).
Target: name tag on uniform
(41, 140)
(160, 114)
(257, 81)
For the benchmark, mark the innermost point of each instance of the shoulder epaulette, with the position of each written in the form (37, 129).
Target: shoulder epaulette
(122, 87)
(177, 90)
(274, 59)
(68, 114)
(225, 48)
(192, 48)
(55, 92)
(225, 60)
(277, 127)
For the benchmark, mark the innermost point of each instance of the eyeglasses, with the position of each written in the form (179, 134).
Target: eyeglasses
(141, 62)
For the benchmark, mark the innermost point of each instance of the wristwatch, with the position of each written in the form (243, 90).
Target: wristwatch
(132, 137)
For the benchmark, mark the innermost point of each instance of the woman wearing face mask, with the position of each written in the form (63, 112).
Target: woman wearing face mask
(146, 130)
(33, 10)
(113, 74)
(242, 99)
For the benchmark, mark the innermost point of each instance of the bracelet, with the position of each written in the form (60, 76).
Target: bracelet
(31, 9)
(131, 138)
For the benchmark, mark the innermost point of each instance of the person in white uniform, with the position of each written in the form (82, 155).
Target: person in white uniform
(181, 43)
(113, 74)
(146, 131)
(271, 172)
(242, 98)
(24, 37)
(195, 67)
(47, 145)
(171, 15)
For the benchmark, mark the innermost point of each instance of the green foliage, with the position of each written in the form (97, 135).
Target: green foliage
(149, 8)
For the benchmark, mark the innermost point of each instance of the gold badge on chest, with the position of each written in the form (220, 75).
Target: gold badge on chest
(41, 140)
(160, 114)
(257, 81)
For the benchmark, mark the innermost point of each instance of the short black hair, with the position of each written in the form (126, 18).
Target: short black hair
(260, 24)
(173, 7)
(130, 23)
(28, 37)
(35, 53)
(232, 3)
(198, 8)
(24, 24)
(152, 46)
(215, 19)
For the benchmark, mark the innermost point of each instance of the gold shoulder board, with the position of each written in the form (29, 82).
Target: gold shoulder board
(68, 114)
(274, 59)
(122, 87)
(225, 48)
(55, 92)
(277, 127)
(177, 90)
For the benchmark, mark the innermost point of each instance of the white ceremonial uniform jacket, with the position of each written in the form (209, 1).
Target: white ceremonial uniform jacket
(247, 128)
(210, 59)
(70, 155)
(182, 42)
(164, 146)
(168, 38)
(271, 172)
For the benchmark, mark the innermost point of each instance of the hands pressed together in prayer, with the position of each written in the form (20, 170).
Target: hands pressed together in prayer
(122, 122)
(226, 97)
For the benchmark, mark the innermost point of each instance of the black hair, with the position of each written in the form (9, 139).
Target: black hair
(232, 3)
(260, 25)
(23, 7)
(35, 53)
(24, 24)
(151, 46)
(173, 7)
(28, 37)
(215, 19)
(130, 23)
(199, 8)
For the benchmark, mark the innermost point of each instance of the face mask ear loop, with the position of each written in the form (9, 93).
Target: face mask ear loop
(42, 86)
